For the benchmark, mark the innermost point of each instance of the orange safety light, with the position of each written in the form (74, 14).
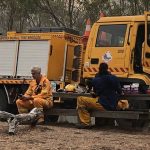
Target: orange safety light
(101, 14)
(88, 28)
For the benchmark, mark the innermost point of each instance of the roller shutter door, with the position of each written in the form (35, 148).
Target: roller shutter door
(32, 53)
(8, 56)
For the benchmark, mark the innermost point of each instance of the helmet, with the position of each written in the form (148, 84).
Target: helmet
(69, 88)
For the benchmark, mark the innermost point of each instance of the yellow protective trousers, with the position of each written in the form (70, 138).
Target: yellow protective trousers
(84, 104)
(24, 106)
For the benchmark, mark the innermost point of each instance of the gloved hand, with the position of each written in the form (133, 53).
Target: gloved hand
(60, 90)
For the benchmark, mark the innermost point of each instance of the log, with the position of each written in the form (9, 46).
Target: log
(5, 115)
(30, 117)
(12, 124)
(15, 120)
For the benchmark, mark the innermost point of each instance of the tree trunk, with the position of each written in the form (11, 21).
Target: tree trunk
(5, 115)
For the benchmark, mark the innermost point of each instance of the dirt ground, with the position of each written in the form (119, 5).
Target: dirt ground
(67, 137)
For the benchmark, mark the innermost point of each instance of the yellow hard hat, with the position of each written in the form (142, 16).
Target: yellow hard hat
(70, 88)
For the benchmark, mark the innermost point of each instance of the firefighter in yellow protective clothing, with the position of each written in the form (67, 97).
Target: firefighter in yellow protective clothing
(39, 95)
(106, 93)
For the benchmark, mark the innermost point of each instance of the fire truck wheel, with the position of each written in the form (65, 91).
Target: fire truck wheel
(3, 100)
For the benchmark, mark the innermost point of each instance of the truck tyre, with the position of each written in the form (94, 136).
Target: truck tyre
(3, 99)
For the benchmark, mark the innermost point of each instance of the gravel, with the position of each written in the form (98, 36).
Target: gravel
(64, 136)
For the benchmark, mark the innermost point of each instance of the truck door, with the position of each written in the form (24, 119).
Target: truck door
(110, 46)
(64, 60)
(32, 53)
(146, 46)
(72, 63)
(56, 58)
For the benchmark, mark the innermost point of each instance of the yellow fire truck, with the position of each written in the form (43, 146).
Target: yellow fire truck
(122, 41)
(58, 51)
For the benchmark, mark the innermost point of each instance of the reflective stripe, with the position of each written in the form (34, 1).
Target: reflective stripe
(115, 69)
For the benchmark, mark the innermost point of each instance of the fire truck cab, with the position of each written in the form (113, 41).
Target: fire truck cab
(124, 43)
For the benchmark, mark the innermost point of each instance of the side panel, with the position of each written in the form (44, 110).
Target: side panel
(72, 63)
(32, 53)
(69, 62)
(77, 71)
(56, 59)
(8, 55)
(64, 60)
(146, 47)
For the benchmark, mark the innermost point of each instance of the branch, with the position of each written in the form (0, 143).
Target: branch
(15, 120)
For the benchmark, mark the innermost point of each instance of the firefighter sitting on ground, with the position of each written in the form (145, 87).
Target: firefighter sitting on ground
(106, 89)
(39, 95)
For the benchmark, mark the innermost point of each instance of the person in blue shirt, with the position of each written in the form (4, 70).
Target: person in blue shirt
(105, 96)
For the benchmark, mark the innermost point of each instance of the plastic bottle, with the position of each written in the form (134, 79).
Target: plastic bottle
(53, 83)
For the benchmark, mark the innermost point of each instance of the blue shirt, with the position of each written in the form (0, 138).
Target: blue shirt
(108, 88)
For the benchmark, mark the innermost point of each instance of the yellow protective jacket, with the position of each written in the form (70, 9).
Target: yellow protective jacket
(43, 90)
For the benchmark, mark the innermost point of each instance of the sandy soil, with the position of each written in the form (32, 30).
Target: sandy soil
(66, 137)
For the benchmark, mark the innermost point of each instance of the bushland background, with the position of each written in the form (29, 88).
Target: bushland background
(21, 15)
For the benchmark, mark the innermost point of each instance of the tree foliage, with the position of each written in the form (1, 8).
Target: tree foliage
(20, 15)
